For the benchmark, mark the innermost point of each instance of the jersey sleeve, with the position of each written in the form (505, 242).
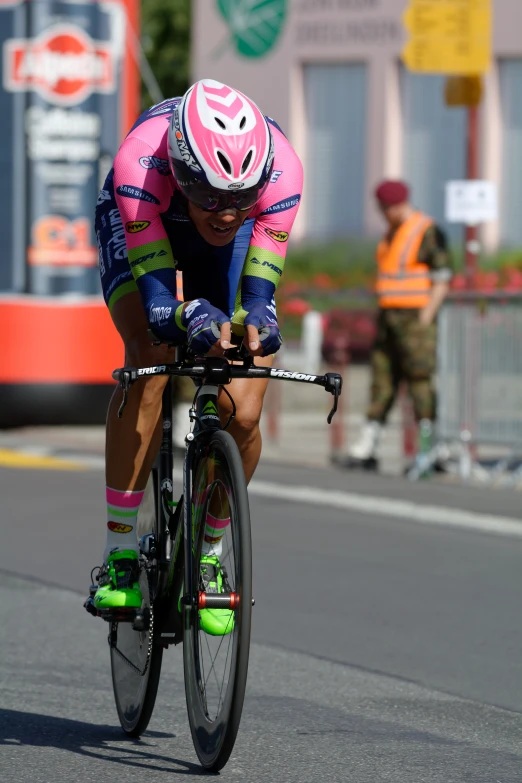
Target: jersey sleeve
(265, 259)
(143, 192)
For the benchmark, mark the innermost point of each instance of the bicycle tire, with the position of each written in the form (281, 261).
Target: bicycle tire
(214, 739)
(134, 693)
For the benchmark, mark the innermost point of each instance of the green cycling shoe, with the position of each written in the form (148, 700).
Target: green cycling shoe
(215, 622)
(118, 583)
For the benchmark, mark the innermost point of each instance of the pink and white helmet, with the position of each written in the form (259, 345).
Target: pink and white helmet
(221, 150)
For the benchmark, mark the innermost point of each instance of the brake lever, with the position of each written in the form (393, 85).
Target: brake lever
(334, 385)
(126, 380)
(334, 409)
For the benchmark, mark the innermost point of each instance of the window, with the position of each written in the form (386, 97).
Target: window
(511, 191)
(335, 97)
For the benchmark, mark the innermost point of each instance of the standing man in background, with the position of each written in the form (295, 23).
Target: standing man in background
(413, 277)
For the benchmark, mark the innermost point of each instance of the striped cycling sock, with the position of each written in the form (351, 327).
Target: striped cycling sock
(214, 532)
(122, 512)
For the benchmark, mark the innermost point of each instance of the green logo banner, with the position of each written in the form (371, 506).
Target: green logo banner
(255, 25)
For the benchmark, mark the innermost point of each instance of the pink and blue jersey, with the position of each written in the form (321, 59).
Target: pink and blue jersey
(144, 232)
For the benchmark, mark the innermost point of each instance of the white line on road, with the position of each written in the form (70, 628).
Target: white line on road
(351, 501)
(401, 509)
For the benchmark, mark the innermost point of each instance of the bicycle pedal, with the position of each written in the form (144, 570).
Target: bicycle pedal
(119, 616)
(89, 605)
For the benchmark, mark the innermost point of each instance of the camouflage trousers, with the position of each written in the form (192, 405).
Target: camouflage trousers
(404, 351)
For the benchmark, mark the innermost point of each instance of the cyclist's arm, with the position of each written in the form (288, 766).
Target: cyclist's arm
(265, 259)
(142, 194)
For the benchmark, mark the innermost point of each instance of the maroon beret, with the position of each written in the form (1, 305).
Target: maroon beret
(391, 192)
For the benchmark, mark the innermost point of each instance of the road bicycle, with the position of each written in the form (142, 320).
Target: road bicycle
(171, 535)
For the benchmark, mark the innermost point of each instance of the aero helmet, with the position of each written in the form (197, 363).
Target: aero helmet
(221, 149)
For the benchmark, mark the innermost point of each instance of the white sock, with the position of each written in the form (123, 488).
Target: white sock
(214, 532)
(122, 514)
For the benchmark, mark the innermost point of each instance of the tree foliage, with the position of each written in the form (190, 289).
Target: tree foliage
(165, 36)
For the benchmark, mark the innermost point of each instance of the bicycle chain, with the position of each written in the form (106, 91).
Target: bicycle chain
(140, 672)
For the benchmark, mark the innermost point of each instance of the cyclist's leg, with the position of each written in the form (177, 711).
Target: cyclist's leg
(128, 446)
(248, 396)
(133, 441)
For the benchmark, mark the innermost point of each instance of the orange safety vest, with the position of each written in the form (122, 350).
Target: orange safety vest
(402, 280)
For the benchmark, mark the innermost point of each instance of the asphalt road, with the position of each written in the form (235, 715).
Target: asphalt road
(383, 649)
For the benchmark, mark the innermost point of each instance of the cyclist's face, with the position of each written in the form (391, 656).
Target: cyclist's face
(217, 228)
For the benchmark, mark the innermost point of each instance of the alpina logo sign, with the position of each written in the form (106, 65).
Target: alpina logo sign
(63, 64)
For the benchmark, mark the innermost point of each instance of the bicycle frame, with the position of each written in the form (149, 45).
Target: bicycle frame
(210, 373)
(206, 420)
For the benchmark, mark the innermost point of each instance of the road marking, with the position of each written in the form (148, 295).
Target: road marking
(387, 507)
(405, 510)
(390, 507)
(10, 458)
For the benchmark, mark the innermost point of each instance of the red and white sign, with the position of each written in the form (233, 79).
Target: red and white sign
(63, 64)
(58, 241)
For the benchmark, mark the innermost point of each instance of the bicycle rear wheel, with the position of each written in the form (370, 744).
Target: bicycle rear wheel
(216, 667)
(135, 657)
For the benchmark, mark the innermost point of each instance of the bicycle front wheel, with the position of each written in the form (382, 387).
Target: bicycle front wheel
(216, 666)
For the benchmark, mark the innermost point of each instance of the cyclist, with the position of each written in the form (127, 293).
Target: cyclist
(208, 185)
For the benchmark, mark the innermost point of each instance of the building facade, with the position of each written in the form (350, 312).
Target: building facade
(329, 72)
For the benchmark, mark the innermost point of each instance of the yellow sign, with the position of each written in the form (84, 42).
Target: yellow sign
(448, 36)
(463, 90)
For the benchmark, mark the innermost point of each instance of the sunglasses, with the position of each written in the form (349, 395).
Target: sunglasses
(211, 200)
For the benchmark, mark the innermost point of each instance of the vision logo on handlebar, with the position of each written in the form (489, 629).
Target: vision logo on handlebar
(294, 376)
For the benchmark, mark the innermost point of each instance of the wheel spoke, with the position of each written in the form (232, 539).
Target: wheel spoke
(226, 661)
(202, 681)
(213, 660)
(212, 668)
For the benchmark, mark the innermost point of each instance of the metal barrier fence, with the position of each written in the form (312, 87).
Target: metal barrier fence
(479, 377)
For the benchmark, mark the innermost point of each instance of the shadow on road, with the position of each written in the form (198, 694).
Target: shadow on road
(90, 740)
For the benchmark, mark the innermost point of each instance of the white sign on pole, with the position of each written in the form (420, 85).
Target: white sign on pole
(471, 201)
